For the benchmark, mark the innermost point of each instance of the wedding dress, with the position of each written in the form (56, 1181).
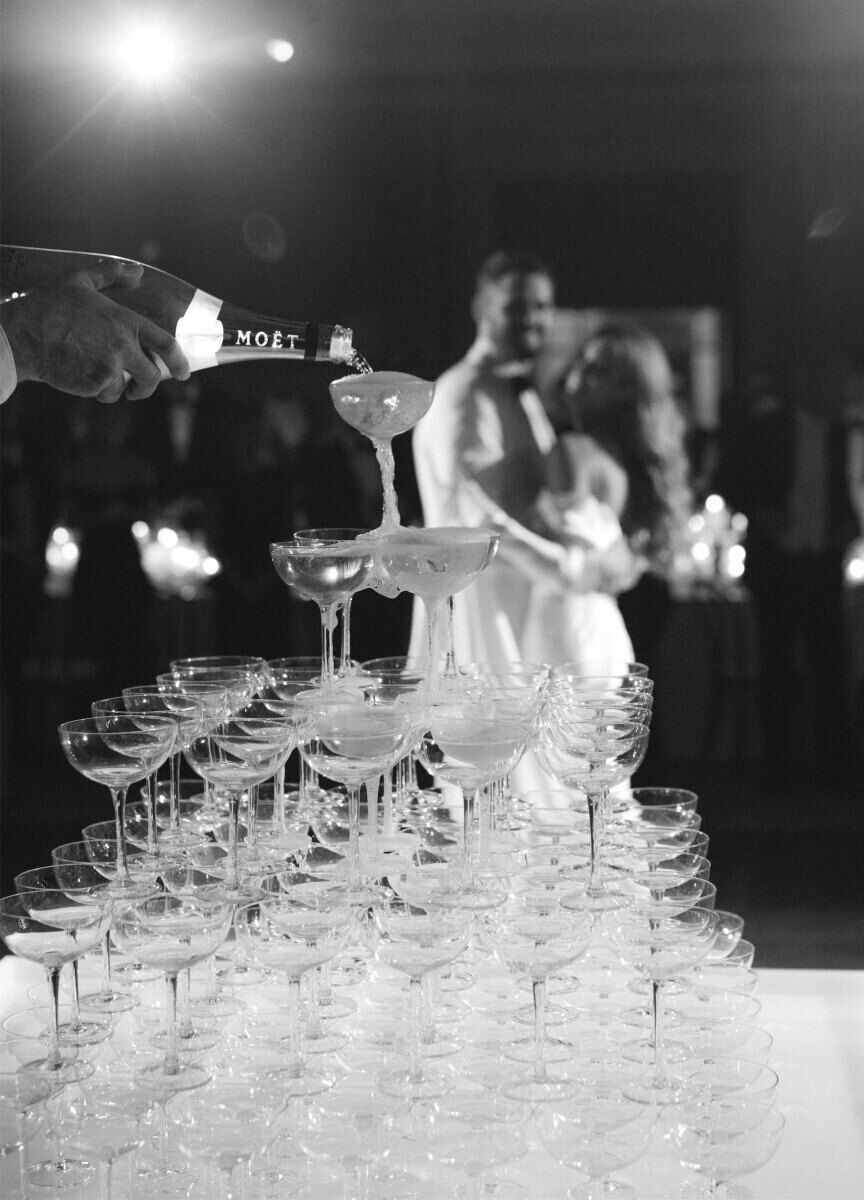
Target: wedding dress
(480, 456)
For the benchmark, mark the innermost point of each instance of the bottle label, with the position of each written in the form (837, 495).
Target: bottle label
(274, 339)
(199, 331)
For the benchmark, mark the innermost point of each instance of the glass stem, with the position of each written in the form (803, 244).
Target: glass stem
(118, 799)
(656, 1029)
(172, 1058)
(233, 826)
(76, 1011)
(450, 644)
(433, 621)
(294, 1025)
(415, 1062)
(428, 1033)
(107, 975)
(595, 887)
(372, 786)
(313, 1013)
(329, 615)
(55, 1058)
(252, 821)
(538, 987)
(106, 1170)
(353, 838)
(151, 784)
(484, 823)
(279, 801)
(387, 814)
(345, 664)
(469, 796)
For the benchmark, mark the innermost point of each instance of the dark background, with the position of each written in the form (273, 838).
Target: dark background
(660, 153)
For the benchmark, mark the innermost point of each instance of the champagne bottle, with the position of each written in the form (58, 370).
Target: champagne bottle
(210, 332)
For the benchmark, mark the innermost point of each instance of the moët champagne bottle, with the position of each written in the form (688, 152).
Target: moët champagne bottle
(210, 332)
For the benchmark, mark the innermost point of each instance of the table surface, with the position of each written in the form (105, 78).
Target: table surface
(817, 1021)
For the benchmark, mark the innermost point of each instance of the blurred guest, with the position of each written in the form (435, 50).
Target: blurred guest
(624, 408)
(66, 333)
(785, 470)
(483, 455)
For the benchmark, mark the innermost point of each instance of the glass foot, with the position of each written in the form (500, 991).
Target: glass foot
(71, 1069)
(241, 976)
(657, 1090)
(85, 1033)
(429, 1084)
(132, 972)
(607, 900)
(556, 1014)
(60, 1173)
(184, 1079)
(555, 1050)
(163, 1179)
(108, 1002)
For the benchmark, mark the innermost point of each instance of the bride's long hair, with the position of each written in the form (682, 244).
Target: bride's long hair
(640, 424)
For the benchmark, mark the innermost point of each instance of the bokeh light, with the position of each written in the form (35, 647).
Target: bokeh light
(148, 54)
(279, 50)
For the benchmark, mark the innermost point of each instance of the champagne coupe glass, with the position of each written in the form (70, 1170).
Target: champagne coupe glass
(217, 700)
(470, 751)
(353, 742)
(652, 813)
(236, 755)
(474, 1134)
(240, 684)
(534, 937)
(110, 1126)
(82, 884)
(435, 564)
(226, 1124)
(381, 405)
(327, 573)
(415, 941)
(658, 947)
(223, 662)
(285, 935)
(509, 690)
(188, 713)
(98, 852)
(295, 717)
(22, 1114)
(596, 1132)
(720, 1156)
(62, 930)
(354, 1127)
(403, 675)
(334, 537)
(592, 754)
(116, 752)
(147, 710)
(594, 668)
(172, 933)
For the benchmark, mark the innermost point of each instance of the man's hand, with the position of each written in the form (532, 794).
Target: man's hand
(67, 334)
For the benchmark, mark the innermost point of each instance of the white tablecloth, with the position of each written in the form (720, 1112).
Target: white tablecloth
(817, 1021)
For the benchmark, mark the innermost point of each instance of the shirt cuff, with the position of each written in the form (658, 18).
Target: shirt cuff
(8, 374)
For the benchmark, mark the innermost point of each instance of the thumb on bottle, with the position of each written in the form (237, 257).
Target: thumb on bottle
(110, 271)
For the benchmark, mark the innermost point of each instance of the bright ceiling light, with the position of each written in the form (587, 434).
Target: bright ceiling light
(148, 54)
(279, 50)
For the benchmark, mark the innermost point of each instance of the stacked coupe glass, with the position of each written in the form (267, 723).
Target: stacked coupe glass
(400, 976)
